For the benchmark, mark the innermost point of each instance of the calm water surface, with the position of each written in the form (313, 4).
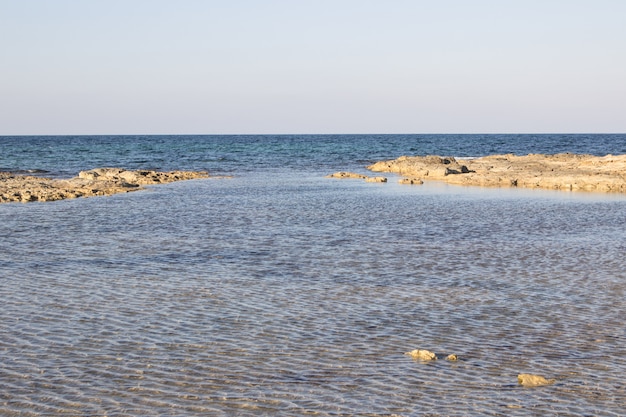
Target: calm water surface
(281, 292)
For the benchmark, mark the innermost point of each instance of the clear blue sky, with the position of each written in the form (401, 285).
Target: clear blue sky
(312, 66)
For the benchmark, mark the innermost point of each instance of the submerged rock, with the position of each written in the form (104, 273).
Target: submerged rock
(452, 357)
(529, 380)
(422, 355)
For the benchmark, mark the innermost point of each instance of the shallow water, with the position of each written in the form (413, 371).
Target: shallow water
(300, 295)
(281, 292)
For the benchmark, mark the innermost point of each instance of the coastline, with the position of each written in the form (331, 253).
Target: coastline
(571, 172)
(564, 171)
(95, 182)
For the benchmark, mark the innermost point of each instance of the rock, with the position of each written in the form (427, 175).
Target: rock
(422, 355)
(411, 181)
(452, 358)
(567, 171)
(431, 167)
(100, 173)
(95, 182)
(356, 176)
(529, 380)
(347, 175)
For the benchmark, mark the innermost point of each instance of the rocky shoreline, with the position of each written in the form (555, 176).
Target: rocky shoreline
(566, 171)
(95, 182)
(559, 172)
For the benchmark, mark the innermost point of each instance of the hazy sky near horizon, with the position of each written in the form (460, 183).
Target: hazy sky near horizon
(312, 66)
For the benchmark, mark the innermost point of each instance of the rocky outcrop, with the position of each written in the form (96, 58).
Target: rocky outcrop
(410, 181)
(95, 182)
(352, 175)
(376, 179)
(433, 167)
(559, 172)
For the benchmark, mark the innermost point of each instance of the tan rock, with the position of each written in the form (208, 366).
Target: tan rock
(529, 380)
(422, 355)
(559, 172)
(347, 175)
(376, 179)
(353, 175)
(411, 181)
(452, 358)
(96, 182)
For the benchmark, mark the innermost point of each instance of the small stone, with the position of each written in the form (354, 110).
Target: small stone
(452, 358)
(529, 380)
(422, 355)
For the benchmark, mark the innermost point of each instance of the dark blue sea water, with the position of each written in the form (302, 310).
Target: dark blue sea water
(66, 155)
(281, 292)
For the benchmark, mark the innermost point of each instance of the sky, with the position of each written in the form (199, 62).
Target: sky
(312, 66)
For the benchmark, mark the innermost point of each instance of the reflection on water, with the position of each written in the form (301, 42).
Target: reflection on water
(285, 296)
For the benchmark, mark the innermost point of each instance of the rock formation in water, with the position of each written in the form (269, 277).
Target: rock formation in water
(343, 174)
(560, 172)
(410, 181)
(96, 182)
(529, 380)
(422, 355)
(352, 175)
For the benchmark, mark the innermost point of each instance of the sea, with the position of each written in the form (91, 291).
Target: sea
(271, 290)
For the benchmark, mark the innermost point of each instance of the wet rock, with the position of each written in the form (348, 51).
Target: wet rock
(411, 181)
(376, 179)
(530, 380)
(452, 358)
(422, 355)
(353, 175)
(347, 175)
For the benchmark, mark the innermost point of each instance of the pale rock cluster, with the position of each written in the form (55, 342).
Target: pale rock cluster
(526, 380)
(565, 171)
(95, 182)
(352, 175)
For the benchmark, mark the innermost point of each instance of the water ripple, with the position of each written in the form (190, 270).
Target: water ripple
(232, 300)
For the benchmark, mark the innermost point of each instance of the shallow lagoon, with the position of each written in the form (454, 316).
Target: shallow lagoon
(291, 294)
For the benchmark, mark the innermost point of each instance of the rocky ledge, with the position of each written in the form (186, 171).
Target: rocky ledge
(352, 175)
(95, 182)
(561, 171)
